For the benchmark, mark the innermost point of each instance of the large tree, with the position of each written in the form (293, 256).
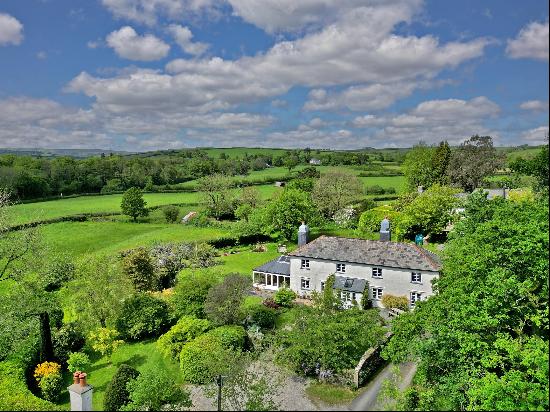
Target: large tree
(536, 167)
(481, 342)
(417, 167)
(217, 195)
(133, 203)
(336, 190)
(474, 160)
(440, 163)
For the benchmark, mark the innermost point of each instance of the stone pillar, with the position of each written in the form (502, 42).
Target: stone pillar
(80, 393)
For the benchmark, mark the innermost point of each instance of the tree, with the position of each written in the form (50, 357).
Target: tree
(481, 342)
(78, 361)
(153, 389)
(190, 294)
(284, 214)
(291, 162)
(138, 266)
(217, 195)
(440, 163)
(472, 161)
(142, 316)
(105, 341)
(430, 212)
(97, 292)
(116, 394)
(328, 298)
(536, 167)
(418, 166)
(223, 302)
(133, 203)
(336, 190)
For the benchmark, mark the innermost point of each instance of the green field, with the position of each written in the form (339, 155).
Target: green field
(82, 238)
(30, 212)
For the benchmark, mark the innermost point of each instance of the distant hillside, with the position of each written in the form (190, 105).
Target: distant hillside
(79, 153)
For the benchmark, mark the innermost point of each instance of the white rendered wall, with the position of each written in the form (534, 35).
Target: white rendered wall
(394, 281)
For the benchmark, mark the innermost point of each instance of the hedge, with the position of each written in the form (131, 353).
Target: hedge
(14, 394)
(187, 329)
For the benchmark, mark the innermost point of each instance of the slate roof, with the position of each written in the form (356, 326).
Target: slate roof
(279, 266)
(353, 284)
(370, 252)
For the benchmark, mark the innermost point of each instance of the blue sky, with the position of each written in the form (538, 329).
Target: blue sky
(157, 74)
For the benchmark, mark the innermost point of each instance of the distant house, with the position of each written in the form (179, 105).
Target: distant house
(360, 266)
(315, 162)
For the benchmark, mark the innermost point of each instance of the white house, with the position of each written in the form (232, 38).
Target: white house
(399, 269)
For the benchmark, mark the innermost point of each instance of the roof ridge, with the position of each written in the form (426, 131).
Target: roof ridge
(428, 257)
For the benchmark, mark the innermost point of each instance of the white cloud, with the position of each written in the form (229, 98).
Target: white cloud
(370, 97)
(11, 30)
(535, 105)
(536, 136)
(42, 55)
(129, 45)
(531, 42)
(182, 35)
(147, 11)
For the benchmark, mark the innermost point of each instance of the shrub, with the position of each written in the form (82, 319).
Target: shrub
(261, 316)
(190, 294)
(375, 190)
(116, 394)
(270, 303)
(187, 329)
(397, 302)
(204, 358)
(203, 255)
(171, 213)
(142, 316)
(14, 394)
(69, 338)
(59, 271)
(230, 337)
(137, 265)
(223, 302)
(45, 369)
(51, 387)
(105, 341)
(78, 361)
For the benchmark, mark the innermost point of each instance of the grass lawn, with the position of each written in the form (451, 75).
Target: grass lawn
(139, 355)
(80, 238)
(330, 394)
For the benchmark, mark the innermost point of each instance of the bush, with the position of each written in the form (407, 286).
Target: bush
(187, 329)
(59, 271)
(190, 293)
(51, 387)
(45, 369)
(104, 341)
(69, 338)
(116, 394)
(203, 255)
(78, 361)
(261, 316)
(375, 190)
(142, 316)
(204, 358)
(14, 394)
(270, 303)
(395, 302)
(284, 297)
(230, 337)
(171, 213)
(223, 302)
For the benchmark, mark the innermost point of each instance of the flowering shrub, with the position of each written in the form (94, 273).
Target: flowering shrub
(45, 369)
(346, 217)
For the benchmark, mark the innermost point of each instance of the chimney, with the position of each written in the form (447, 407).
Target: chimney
(80, 393)
(303, 232)
(385, 232)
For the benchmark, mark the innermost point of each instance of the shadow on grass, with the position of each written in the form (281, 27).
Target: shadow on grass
(134, 361)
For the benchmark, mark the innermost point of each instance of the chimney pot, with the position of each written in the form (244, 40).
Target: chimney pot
(82, 377)
(76, 377)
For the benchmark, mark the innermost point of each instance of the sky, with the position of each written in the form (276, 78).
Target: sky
(142, 75)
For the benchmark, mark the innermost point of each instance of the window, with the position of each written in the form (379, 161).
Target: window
(341, 267)
(377, 293)
(348, 296)
(415, 296)
(376, 272)
(416, 277)
(305, 264)
(305, 283)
